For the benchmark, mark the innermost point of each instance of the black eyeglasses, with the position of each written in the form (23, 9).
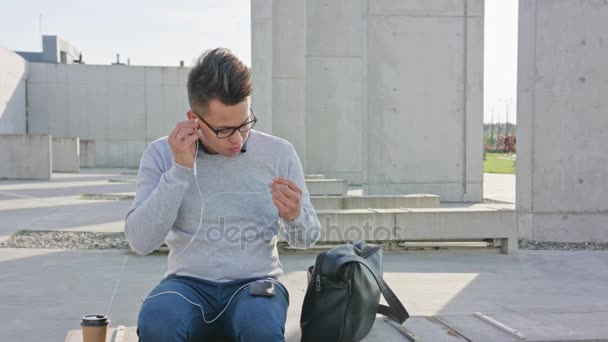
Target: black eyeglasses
(229, 131)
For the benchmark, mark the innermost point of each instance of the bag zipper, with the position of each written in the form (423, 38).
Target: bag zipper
(370, 251)
(318, 273)
(322, 256)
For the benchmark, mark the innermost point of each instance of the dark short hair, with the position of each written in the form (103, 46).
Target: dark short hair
(218, 74)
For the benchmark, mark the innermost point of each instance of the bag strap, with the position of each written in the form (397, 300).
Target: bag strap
(395, 309)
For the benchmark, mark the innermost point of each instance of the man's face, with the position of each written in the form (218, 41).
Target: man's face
(220, 116)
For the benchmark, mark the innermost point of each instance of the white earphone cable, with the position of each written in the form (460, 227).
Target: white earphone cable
(200, 222)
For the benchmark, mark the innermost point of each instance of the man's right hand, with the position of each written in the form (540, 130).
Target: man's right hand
(182, 140)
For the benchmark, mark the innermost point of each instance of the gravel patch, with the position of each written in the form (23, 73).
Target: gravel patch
(98, 240)
(111, 197)
(121, 181)
(562, 246)
(66, 240)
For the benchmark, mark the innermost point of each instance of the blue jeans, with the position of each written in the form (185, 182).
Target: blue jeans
(169, 317)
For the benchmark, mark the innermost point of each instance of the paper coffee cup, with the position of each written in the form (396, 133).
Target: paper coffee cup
(94, 328)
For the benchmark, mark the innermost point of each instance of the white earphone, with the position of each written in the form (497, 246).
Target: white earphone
(188, 244)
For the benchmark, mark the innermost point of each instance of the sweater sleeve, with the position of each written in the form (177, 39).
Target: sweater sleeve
(158, 196)
(305, 230)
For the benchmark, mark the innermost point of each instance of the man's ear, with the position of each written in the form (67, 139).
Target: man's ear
(191, 115)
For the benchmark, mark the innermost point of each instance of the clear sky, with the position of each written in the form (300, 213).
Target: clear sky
(154, 32)
(500, 60)
(149, 32)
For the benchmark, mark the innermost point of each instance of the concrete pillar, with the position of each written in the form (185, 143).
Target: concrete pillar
(26, 156)
(87, 153)
(424, 80)
(261, 67)
(66, 154)
(335, 144)
(562, 183)
(387, 94)
(289, 73)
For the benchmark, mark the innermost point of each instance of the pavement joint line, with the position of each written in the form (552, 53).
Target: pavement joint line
(16, 195)
(403, 330)
(124, 263)
(497, 324)
(440, 322)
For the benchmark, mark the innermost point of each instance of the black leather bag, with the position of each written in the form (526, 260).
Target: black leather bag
(343, 294)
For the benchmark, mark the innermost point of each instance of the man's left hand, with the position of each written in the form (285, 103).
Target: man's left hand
(287, 197)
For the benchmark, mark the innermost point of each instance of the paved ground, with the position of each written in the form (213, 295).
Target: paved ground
(43, 293)
(56, 204)
(499, 187)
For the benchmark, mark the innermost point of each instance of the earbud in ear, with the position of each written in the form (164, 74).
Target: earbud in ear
(195, 155)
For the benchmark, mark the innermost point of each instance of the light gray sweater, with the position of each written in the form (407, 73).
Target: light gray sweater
(239, 224)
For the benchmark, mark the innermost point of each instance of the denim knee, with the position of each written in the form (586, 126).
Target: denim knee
(262, 332)
(160, 323)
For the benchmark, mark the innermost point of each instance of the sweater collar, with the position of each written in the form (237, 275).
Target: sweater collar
(243, 148)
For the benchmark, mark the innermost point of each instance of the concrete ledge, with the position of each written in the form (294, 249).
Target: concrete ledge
(377, 201)
(356, 224)
(314, 177)
(26, 156)
(464, 224)
(391, 201)
(327, 202)
(448, 192)
(87, 153)
(66, 154)
(327, 187)
(459, 224)
(472, 223)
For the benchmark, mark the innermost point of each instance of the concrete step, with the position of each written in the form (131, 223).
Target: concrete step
(316, 187)
(316, 176)
(327, 187)
(322, 202)
(375, 201)
(456, 222)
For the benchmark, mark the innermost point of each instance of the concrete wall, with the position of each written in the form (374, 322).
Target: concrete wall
(562, 160)
(289, 73)
(122, 108)
(425, 80)
(87, 153)
(25, 156)
(261, 71)
(66, 154)
(335, 88)
(382, 93)
(13, 80)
